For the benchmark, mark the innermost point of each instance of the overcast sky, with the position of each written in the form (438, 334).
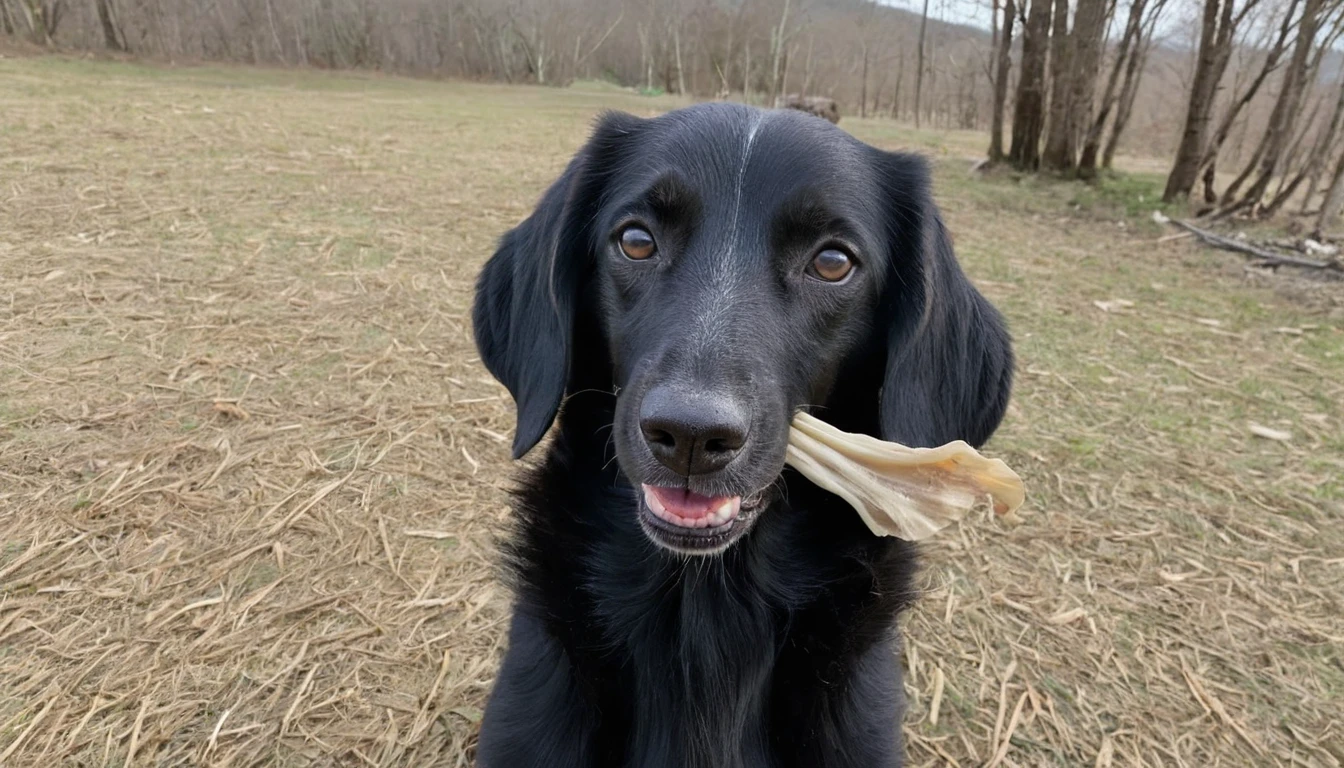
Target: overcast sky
(973, 12)
(978, 13)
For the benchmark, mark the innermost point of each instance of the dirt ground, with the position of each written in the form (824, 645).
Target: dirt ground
(251, 470)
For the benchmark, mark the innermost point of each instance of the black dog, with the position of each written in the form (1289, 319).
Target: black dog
(688, 284)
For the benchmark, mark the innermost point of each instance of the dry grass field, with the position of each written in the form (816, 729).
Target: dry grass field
(251, 471)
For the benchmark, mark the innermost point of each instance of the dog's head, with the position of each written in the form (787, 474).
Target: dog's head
(739, 265)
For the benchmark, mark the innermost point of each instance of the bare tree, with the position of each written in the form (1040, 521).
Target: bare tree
(1220, 19)
(1287, 106)
(919, 65)
(579, 60)
(645, 55)
(1126, 51)
(1273, 55)
(1029, 110)
(807, 66)
(1003, 56)
(1313, 161)
(868, 34)
(779, 39)
(42, 18)
(111, 37)
(531, 34)
(1074, 67)
(746, 72)
(896, 90)
(1061, 90)
(1334, 199)
(681, 69)
(6, 23)
(1129, 89)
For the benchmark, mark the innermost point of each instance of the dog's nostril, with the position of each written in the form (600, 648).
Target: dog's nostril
(660, 437)
(722, 444)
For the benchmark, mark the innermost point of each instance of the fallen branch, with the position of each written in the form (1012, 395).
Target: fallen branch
(1266, 257)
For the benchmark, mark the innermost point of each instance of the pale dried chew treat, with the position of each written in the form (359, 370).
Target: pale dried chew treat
(910, 493)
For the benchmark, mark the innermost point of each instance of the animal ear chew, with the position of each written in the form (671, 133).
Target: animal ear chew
(909, 493)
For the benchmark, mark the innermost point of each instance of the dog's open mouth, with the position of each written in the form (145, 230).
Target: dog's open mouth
(692, 523)
(687, 509)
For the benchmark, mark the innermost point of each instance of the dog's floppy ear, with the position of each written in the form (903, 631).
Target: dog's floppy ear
(525, 298)
(949, 365)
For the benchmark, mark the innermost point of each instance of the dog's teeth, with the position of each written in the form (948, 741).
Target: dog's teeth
(721, 515)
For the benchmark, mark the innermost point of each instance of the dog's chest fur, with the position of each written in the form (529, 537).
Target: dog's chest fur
(701, 661)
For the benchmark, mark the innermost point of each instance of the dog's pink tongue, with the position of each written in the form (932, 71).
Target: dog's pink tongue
(685, 503)
(681, 507)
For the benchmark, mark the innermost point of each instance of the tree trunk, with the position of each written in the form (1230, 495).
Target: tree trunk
(1210, 176)
(993, 27)
(1215, 40)
(37, 21)
(46, 18)
(1058, 153)
(879, 88)
(1313, 183)
(727, 67)
(1272, 57)
(746, 75)
(1334, 198)
(1315, 158)
(6, 24)
(863, 84)
(807, 68)
(681, 72)
(648, 76)
(275, 34)
(1230, 193)
(778, 40)
(110, 37)
(919, 69)
(896, 92)
(1004, 55)
(645, 65)
(1127, 49)
(541, 60)
(1130, 88)
(1089, 32)
(1029, 106)
(26, 14)
(933, 105)
(1278, 132)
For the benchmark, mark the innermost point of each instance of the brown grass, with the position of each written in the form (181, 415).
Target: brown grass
(250, 469)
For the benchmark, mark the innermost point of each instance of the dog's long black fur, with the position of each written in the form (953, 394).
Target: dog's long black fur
(780, 650)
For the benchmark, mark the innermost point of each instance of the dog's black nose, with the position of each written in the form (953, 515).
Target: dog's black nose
(692, 433)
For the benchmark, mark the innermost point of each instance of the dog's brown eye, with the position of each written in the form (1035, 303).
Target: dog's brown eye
(831, 265)
(637, 243)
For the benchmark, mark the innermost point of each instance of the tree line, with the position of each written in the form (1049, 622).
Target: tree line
(861, 53)
(1245, 94)
(1264, 69)
(1061, 119)
(872, 58)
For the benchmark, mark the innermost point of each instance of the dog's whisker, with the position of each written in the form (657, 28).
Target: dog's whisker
(594, 390)
(614, 455)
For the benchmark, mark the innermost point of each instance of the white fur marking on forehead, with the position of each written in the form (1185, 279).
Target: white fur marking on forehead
(710, 319)
(750, 139)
